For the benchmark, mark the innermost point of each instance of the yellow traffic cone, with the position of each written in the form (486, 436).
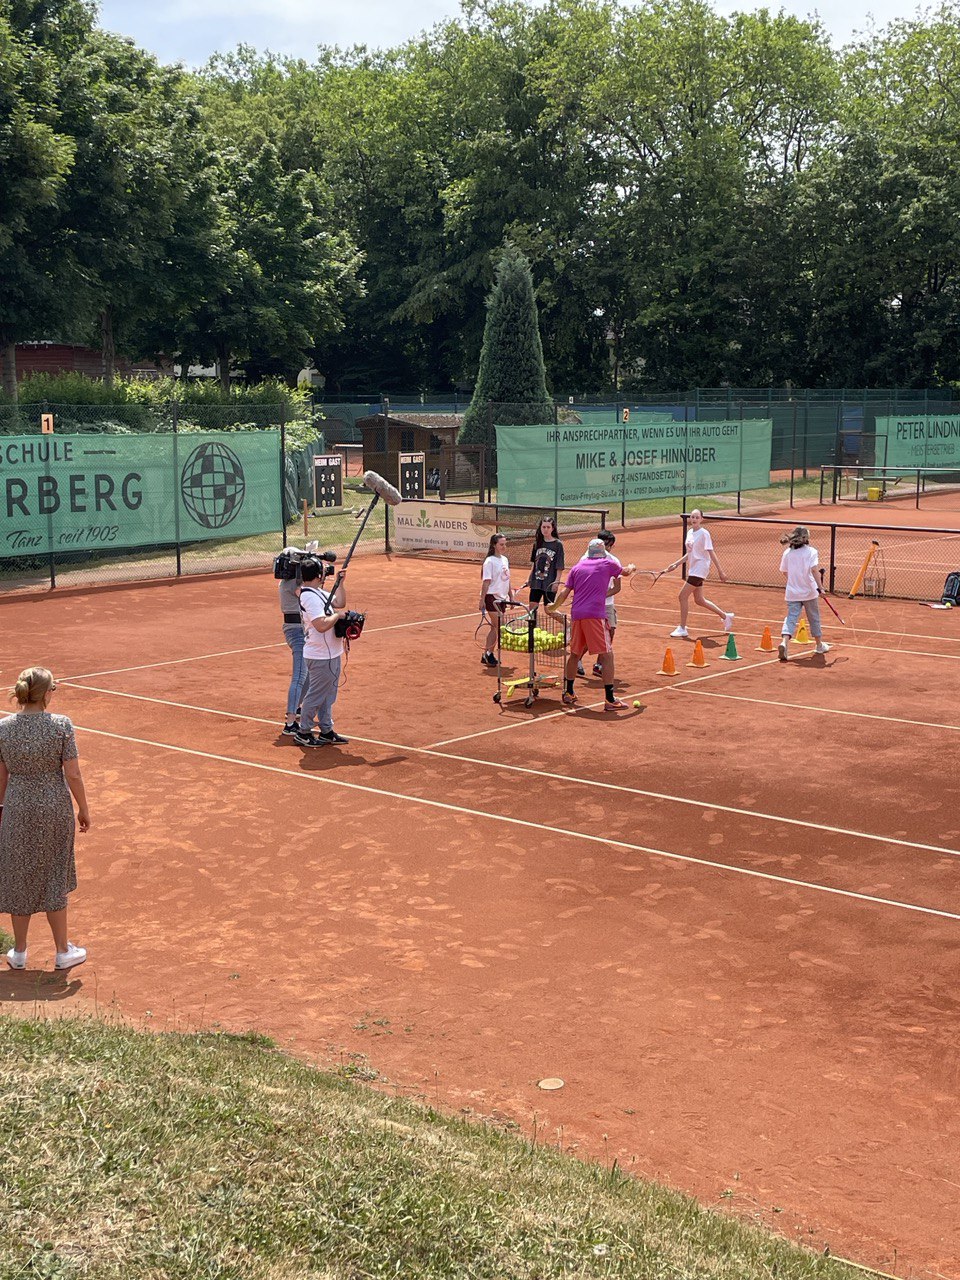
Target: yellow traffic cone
(766, 644)
(698, 659)
(669, 667)
(803, 635)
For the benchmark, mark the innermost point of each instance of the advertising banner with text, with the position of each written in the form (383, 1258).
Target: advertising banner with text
(918, 441)
(573, 466)
(439, 526)
(81, 492)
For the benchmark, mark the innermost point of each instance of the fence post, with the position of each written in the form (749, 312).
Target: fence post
(683, 543)
(176, 485)
(793, 457)
(283, 479)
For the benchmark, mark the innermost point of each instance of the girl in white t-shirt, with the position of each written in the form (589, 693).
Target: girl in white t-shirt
(700, 555)
(495, 592)
(798, 564)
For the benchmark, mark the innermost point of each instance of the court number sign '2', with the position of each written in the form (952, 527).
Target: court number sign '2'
(73, 492)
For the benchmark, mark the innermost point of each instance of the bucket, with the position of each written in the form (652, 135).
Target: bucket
(874, 493)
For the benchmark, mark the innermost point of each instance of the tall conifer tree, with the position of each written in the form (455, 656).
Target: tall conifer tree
(511, 376)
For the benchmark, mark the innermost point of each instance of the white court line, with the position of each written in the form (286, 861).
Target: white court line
(500, 767)
(274, 644)
(828, 711)
(591, 706)
(539, 827)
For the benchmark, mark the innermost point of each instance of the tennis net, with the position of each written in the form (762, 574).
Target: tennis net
(902, 562)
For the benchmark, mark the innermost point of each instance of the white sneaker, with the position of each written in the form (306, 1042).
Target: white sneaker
(679, 634)
(72, 956)
(16, 959)
(822, 647)
(782, 650)
(728, 621)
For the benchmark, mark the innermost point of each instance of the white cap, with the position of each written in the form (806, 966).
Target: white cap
(596, 549)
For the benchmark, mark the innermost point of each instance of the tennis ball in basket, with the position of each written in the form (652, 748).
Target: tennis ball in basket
(636, 702)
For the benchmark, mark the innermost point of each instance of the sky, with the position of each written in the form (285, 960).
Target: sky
(188, 32)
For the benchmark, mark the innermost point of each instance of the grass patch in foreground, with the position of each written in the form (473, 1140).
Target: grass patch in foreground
(126, 1154)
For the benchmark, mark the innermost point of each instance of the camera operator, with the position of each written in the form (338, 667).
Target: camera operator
(322, 650)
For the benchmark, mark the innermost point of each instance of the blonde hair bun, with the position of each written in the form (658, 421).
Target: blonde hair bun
(32, 686)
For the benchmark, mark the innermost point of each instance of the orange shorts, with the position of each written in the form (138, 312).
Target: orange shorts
(589, 635)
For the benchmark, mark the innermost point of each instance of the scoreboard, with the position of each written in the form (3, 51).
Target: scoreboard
(328, 481)
(412, 477)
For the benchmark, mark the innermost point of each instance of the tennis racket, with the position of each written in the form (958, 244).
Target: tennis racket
(825, 598)
(641, 580)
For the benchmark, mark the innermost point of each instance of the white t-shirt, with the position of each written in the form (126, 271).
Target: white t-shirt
(496, 570)
(317, 644)
(799, 563)
(699, 545)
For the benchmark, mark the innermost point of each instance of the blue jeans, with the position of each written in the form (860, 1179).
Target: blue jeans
(323, 682)
(293, 634)
(813, 617)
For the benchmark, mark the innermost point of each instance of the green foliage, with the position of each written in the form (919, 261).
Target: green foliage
(511, 379)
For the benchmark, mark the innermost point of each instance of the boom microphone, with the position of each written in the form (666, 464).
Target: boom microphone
(382, 488)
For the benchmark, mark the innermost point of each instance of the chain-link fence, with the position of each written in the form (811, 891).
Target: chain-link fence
(122, 493)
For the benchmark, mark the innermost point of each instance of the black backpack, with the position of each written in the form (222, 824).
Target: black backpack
(951, 589)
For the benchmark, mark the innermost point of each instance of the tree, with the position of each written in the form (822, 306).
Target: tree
(37, 42)
(512, 378)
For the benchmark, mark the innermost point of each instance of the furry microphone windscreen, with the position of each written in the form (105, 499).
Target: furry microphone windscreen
(383, 488)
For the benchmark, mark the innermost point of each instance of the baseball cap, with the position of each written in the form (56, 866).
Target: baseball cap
(595, 549)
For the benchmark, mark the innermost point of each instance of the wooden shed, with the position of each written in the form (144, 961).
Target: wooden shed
(384, 439)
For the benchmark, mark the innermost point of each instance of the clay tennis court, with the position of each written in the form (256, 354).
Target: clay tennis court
(729, 921)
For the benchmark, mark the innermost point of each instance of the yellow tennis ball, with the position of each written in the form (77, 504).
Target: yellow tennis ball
(636, 702)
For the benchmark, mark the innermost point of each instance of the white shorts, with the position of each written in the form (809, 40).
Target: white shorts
(611, 615)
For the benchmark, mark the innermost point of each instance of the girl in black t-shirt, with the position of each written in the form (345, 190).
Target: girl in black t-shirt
(547, 563)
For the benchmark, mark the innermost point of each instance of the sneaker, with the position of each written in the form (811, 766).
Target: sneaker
(580, 670)
(291, 729)
(330, 735)
(615, 705)
(569, 699)
(782, 650)
(822, 647)
(16, 959)
(679, 633)
(72, 956)
(308, 740)
(489, 659)
(728, 621)
(597, 669)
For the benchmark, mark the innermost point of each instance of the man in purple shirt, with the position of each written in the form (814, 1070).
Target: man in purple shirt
(588, 582)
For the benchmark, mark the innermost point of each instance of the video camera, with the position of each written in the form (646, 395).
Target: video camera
(288, 564)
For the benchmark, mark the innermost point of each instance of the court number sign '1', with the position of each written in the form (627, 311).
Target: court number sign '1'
(412, 479)
(328, 481)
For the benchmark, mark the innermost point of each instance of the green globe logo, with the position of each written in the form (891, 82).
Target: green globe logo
(212, 485)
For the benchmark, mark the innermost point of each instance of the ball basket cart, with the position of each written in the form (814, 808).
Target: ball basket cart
(542, 638)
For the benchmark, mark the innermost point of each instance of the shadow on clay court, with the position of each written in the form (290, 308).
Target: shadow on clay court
(29, 986)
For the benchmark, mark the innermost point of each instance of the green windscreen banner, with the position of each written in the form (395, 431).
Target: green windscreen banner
(924, 441)
(572, 466)
(81, 492)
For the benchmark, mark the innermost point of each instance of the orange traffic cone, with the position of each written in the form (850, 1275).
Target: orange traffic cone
(669, 667)
(698, 659)
(803, 635)
(766, 642)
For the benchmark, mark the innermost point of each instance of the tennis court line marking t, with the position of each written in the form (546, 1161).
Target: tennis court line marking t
(501, 767)
(540, 827)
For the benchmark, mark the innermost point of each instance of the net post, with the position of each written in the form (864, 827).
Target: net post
(833, 556)
(918, 488)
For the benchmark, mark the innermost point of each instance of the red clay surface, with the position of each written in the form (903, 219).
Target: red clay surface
(768, 1019)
